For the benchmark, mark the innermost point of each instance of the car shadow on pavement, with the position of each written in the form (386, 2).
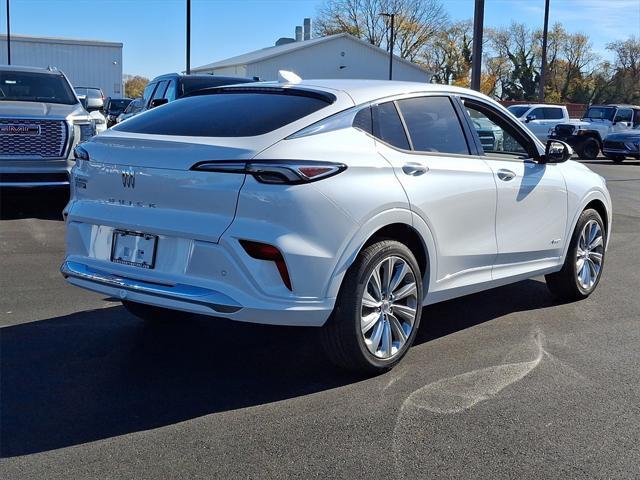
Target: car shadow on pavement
(97, 374)
(45, 204)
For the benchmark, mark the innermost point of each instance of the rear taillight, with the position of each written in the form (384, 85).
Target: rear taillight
(289, 172)
(264, 251)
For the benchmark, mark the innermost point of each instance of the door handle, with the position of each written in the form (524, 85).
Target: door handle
(506, 175)
(414, 169)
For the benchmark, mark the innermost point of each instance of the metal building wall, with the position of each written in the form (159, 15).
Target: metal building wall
(86, 63)
(339, 58)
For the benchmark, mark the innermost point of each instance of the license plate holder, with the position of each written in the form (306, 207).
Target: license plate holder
(134, 248)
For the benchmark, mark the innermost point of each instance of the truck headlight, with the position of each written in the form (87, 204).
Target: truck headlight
(85, 128)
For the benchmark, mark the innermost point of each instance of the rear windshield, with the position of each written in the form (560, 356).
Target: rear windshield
(118, 104)
(226, 114)
(192, 84)
(35, 87)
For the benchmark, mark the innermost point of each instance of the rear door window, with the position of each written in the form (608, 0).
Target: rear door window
(228, 114)
(433, 125)
(551, 113)
(388, 127)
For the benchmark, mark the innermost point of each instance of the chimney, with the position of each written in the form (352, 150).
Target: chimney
(307, 28)
(298, 33)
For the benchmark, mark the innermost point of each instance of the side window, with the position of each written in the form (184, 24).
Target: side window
(433, 125)
(552, 113)
(625, 115)
(148, 91)
(363, 120)
(538, 113)
(497, 136)
(388, 127)
(159, 93)
(170, 93)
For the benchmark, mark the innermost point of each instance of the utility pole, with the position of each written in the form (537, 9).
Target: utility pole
(8, 36)
(476, 55)
(543, 69)
(391, 17)
(188, 37)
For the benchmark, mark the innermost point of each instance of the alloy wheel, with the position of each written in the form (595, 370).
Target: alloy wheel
(589, 255)
(389, 307)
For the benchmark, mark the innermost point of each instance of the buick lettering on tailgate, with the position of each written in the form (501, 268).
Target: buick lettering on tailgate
(19, 129)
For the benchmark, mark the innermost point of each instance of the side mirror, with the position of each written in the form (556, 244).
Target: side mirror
(557, 152)
(530, 117)
(156, 102)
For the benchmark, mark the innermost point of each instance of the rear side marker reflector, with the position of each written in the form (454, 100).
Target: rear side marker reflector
(288, 172)
(264, 251)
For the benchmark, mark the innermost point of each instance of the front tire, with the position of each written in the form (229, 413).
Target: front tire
(151, 313)
(590, 149)
(582, 268)
(378, 309)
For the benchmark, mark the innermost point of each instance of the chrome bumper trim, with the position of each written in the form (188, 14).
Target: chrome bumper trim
(180, 292)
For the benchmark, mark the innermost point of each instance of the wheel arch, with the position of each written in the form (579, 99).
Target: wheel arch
(596, 200)
(408, 229)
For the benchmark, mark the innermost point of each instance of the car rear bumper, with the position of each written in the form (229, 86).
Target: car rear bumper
(195, 299)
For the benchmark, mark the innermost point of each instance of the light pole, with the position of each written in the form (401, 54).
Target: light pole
(8, 36)
(543, 69)
(476, 55)
(392, 17)
(188, 37)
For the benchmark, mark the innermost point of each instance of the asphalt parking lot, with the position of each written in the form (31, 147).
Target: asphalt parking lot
(502, 384)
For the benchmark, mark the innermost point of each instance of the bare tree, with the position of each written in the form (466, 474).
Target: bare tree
(448, 54)
(416, 22)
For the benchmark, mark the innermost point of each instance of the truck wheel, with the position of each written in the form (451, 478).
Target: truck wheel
(589, 149)
(377, 312)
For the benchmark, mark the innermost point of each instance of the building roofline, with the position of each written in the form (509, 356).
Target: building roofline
(295, 46)
(60, 40)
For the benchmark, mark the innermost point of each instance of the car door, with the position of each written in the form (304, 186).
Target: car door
(531, 215)
(538, 124)
(451, 189)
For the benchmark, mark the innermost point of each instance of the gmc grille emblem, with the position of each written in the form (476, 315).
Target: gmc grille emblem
(19, 129)
(128, 179)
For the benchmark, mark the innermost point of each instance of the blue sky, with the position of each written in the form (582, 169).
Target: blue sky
(153, 30)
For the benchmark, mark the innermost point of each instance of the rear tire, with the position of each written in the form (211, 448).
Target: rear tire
(372, 328)
(153, 314)
(568, 283)
(589, 149)
(616, 158)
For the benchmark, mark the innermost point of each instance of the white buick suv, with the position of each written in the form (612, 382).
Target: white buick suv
(341, 204)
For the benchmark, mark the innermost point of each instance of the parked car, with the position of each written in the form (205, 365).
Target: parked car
(94, 96)
(114, 107)
(134, 108)
(540, 118)
(618, 146)
(41, 120)
(586, 135)
(170, 87)
(92, 99)
(341, 204)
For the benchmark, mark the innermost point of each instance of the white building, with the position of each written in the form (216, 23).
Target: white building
(87, 63)
(335, 56)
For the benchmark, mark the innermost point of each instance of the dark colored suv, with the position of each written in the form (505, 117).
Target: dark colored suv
(170, 87)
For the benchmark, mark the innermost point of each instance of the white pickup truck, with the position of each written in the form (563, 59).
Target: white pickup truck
(540, 118)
